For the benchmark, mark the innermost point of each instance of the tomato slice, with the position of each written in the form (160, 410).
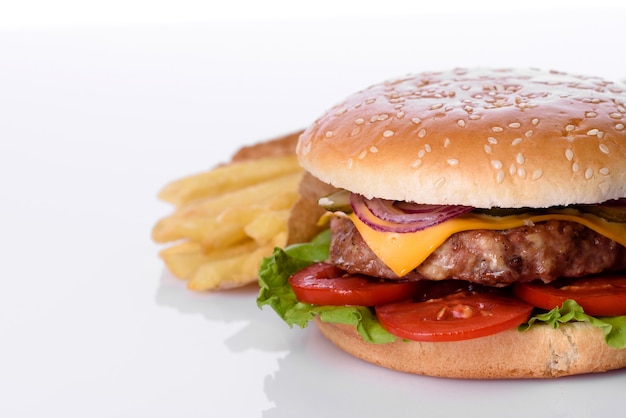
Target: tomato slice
(456, 317)
(601, 295)
(325, 284)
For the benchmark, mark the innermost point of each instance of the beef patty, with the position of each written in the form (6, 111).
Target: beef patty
(544, 251)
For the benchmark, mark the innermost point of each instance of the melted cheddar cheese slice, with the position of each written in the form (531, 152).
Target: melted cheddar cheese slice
(403, 252)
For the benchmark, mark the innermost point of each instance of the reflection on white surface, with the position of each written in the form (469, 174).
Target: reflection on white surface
(236, 307)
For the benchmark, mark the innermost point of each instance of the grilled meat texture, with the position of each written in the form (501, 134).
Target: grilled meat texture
(544, 251)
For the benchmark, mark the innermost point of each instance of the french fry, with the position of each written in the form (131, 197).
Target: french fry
(267, 225)
(225, 234)
(228, 178)
(185, 258)
(226, 220)
(196, 216)
(229, 272)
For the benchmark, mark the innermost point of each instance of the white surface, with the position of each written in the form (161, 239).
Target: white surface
(94, 120)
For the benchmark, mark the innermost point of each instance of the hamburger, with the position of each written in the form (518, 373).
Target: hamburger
(470, 224)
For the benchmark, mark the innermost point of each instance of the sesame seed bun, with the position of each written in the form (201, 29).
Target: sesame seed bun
(483, 138)
(540, 352)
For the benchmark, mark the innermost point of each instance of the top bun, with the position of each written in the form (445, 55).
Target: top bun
(483, 137)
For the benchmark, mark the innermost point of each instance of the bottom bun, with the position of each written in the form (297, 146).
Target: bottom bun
(540, 352)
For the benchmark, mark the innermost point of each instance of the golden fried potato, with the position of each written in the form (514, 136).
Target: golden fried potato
(228, 178)
(198, 218)
(229, 272)
(226, 220)
(267, 225)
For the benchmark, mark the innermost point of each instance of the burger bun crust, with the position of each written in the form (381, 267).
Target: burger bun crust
(482, 137)
(540, 352)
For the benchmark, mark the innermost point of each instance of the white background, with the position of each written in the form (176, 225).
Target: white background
(101, 104)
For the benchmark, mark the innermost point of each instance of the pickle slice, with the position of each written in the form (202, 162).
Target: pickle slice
(338, 201)
(609, 213)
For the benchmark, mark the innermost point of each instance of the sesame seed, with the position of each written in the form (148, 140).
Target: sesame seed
(487, 149)
(400, 115)
(461, 123)
(440, 182)
(521, 172)
(416, 163)
(446, 142)
(307, 148)
(492, 140)
(363, 154)
(604, 148)
(514, 125)
(453, 161)
(537, 174)
(388, 134)
(570, 128)
(526, 105)
(535, 121)
(416, 121)
(468, 109)
(370, 100)
(519, 158)
(615, 115)
(436, 106)
(500, 176)
(604, 171)
(497, 129)
(591, 114)
(474, 116)
(427, 147)
(373, 149)
(359, 121)
(588, 173)
(619, 127)
(341, 111)
(350, 163)
(355, 131)
(512, 169)
(422, 133)
(383, 116)
(528, 134)
(496, 164)
(592, 132)
(569, 154)
(516, 141)
(421, 153)
(575, 167)
(601, 134)
(329, 134)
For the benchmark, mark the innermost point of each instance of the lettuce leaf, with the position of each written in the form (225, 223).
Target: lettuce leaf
(276, 292)
(613, 327)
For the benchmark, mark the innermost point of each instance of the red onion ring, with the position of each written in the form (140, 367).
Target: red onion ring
(402, 217)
